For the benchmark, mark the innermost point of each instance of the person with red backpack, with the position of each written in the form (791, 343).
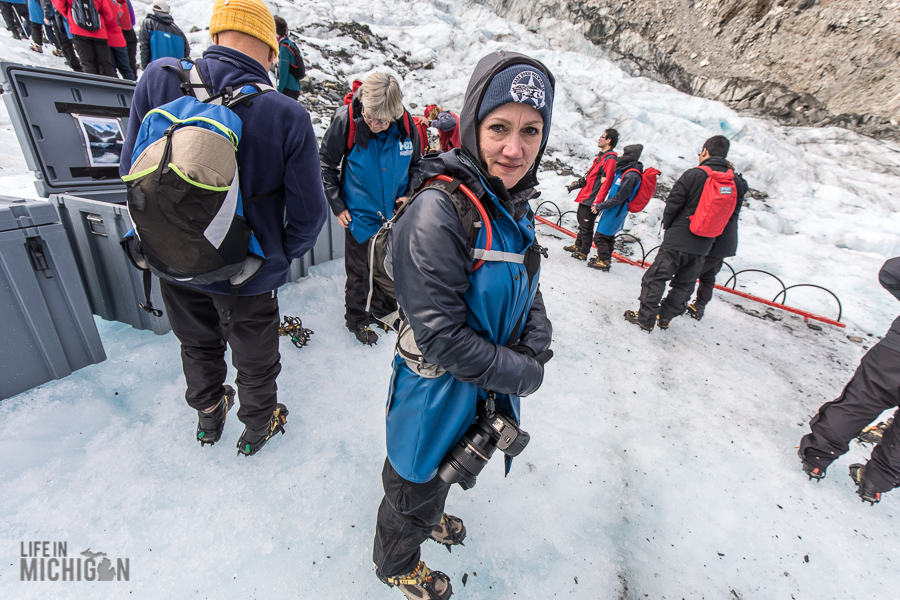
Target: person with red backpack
(447, 124)
(594, 189)
(290, 62)
(697, 210)
(86, 23)
(625, 184)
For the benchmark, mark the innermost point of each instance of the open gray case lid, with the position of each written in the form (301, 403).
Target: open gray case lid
(70, 126)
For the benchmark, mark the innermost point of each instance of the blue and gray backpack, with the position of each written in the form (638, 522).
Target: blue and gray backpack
(184, 195)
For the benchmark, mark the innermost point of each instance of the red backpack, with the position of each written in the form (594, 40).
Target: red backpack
(716, 204)
(348, 97)
(645, 192)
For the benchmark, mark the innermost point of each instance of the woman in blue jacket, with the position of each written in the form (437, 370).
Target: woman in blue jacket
(476, 314)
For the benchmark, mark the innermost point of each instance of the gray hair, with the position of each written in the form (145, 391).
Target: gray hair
(381, 97)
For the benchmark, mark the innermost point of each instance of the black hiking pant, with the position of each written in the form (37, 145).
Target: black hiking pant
(11, 13)
(679, 270)
(131, 43)
(356, 263)
(605, 246)
(406, 516)
(94, 55)
(707, 279)
(586, 220)
(201, 322)
(874, 388)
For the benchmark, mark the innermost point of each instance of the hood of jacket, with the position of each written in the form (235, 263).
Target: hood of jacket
(629, 155)
(631, 165)
(160, 17)
(487, 68)
(716, 163)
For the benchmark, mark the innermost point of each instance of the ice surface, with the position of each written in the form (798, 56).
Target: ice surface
(661, 465)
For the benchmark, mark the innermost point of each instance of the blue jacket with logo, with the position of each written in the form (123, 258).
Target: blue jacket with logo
(160, 37)
(462, 321)
(621, 193)
(380, 168)
(278, 147)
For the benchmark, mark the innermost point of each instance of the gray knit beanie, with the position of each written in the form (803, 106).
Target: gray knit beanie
(520, 83)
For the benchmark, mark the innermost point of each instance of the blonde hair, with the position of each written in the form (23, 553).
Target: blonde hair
(381, 97)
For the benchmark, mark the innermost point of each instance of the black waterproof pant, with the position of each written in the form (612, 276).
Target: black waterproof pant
(679, 270)
(204, 323)
(408, 513)
(874, 388)
(586, 219)
(12, 13)
(356, 264)
(94, 55)
(119, 57)
(605, 246)
(707, 279)
(131, 43)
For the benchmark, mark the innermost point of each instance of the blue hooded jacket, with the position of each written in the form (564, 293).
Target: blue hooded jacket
(278, 146)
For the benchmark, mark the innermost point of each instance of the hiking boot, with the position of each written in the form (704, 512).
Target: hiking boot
(572, 248)
(663, 323)
(596, 263)
(16, 35)
(449, 532)
(211, 423)
(380, 325)
(578, 255)
(864, 487)
(814, 472)
(365, 335)
(59, 53)
(695, 310)
(422, 583)
(873, 433)
(254, 439)
(35, 48)
(632, 317)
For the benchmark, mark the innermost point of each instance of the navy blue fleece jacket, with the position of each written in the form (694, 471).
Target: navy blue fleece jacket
(277, 146)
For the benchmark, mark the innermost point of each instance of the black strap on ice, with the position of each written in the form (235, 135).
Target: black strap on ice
(148, 304)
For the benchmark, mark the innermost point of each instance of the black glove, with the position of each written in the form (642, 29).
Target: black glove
(576, 185)
(543, 358)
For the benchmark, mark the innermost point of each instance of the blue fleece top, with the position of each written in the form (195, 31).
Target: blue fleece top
(277, 146)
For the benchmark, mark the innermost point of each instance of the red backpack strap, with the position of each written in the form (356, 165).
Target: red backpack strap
(630, 170)
(351, 135)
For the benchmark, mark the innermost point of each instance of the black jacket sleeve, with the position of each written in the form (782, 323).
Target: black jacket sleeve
(144, 43)
(331, 155)
(414, 166)
(889, 276)
(431, 268)
(677, 199)
(626, 189)
(538, 329)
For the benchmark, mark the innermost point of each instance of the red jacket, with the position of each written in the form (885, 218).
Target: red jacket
(422, 126)
(104, 7)
(113, 31)
(450, 139)
(593, 191)
(124, 15)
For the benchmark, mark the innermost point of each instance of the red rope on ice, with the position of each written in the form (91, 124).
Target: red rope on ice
(806, 315)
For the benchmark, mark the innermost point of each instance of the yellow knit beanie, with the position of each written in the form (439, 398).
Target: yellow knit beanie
(246, 16)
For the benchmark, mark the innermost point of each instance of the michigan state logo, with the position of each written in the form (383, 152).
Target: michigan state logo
(528, 88)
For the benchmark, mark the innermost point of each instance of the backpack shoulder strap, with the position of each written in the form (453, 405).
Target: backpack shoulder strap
(351, 133)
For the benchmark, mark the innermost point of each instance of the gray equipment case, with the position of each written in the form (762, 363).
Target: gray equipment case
(47, 329)
(48, 108)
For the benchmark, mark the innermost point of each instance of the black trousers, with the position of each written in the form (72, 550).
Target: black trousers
(120, 62)
(65, 42)
(874, 388)
(356, 263)
(707, 279)
(605, 246)
(131, 43)
(11, 14)
(586, 219)
(679, 270)
(295, 94)
(201, 322)
(408, 513)
(94, 55)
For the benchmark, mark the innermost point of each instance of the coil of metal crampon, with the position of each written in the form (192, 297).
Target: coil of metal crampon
(293, 328)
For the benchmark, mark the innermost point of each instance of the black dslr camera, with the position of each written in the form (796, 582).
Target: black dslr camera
(491, 430)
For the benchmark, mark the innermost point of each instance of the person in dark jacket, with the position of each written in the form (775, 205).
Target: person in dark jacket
(278, 156)
(481, 328)
(874, 388)
(724, 247)
(625, 183)
(288, 52)
(160, 37)
(682, 253)
(594, 188)
(365, 184)
(92, 46)
(447, 124)
(118, 47)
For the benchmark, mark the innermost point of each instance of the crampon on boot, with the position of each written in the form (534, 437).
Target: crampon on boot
(873, 433)
(864, 487)
(695, 310)
(572, 248)
(600, 265)
(449, 532)
(632, 317)
(579, 255)
(365, 335)
(254, 439)
(814, 472)
(210, 424)
(422, 583)
(663, 323)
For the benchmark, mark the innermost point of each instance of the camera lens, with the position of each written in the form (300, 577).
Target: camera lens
(467, 459)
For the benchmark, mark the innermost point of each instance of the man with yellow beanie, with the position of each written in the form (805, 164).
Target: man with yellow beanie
(280, 171)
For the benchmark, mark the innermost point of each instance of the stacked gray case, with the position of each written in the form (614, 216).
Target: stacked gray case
(48, 108)
(47, 330)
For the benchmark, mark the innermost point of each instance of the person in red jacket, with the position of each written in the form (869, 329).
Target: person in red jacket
(594, 188)
(126, 24)
(422, 126)
(92, 46)
(447, 124)
(118, 47)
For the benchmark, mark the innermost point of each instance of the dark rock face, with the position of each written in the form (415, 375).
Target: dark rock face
(802, 62)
